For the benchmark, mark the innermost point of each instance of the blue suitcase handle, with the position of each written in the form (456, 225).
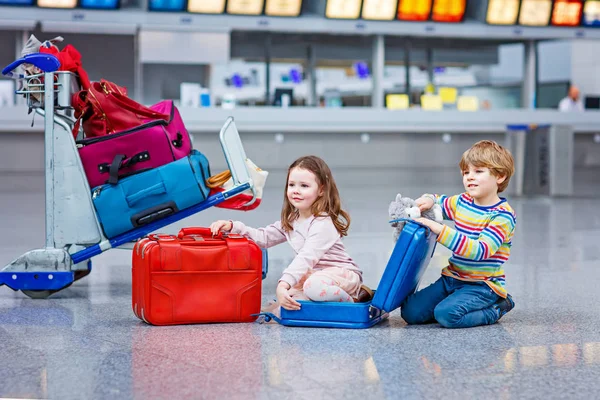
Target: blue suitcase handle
(268, 317)
(159, 188)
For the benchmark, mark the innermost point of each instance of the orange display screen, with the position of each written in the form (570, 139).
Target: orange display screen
(502, 12)
(535, 12)
(414, 10)
(245, 7)
(567, 12)
(448, 10)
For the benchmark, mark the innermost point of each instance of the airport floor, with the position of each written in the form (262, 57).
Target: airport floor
(85, 343)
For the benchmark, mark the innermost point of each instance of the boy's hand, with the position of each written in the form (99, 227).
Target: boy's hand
(284, 299)
(220, 225)
(435, 227)
(424, 203)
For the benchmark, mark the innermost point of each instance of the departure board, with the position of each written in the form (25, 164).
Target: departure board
(57, 3)
(346, 9)
(535, 12)
(414, 10)
(379, 9)
(591, 13)
(206, 6)
(245, 7)
(567, 12)
(448, 10)
(283, 8)
(502, 12)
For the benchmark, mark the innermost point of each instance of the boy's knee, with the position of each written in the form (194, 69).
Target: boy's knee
(412, 313)
(447, 317)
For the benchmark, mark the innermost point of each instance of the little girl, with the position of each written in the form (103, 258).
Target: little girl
(312, 222)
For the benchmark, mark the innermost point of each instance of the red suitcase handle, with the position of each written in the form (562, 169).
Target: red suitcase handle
(197, 231)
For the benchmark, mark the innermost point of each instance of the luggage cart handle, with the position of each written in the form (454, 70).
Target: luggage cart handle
(45, 62)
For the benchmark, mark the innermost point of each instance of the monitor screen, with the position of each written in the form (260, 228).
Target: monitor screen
(591, 13)
(592, 102)
(345, 9)
(502, 12)
(448, 10)
(283, 97)
(414, 10)
(384, 10)
(57, 3)
(567, 12)
(535, 12)
(283, 8)
(206, 6)
(245, 7)
(166, 5)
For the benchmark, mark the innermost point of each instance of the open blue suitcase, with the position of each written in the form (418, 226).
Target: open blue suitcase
(401, 277)
(151, 195)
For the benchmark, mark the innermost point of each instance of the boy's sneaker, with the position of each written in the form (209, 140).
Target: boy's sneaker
(505, 305)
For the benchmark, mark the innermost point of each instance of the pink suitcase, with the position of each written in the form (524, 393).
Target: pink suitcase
(108, 158)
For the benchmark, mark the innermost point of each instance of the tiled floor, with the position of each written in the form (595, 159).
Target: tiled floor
(85, 343)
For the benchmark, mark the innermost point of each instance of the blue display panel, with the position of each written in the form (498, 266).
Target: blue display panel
(101, 4)
(16, 2)
(166, 5)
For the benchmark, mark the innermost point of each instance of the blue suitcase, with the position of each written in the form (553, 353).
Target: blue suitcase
(151, 195)
(401, 277)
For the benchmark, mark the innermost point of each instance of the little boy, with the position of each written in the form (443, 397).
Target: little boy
(471, 289)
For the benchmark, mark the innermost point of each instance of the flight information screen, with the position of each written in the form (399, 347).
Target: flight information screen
(283, 8)
(166, 5)
(535, 12)
(206, 6)
(57, 3)
(346, 9)
(448, 10)
(591, 13)
(379, 9)
(414, 10)
(502, 12)
(16, 2)
(567, 12)
(245, 7)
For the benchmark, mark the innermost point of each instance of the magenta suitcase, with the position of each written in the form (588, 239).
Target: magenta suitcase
(108, 158)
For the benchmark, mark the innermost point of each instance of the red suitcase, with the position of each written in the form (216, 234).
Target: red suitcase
(194, 278)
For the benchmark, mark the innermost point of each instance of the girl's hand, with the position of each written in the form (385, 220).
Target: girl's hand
(284, 299)
(424, 203)
(220, 225)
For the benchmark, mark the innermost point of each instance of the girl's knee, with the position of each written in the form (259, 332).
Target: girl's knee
(313, 288)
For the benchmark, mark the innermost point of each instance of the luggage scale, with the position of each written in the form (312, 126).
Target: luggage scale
(73, 233)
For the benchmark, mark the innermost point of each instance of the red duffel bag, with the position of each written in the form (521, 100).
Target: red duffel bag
(105, 108)
(196, 278)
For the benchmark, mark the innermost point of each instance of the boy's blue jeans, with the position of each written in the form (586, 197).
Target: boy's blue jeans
(453, 304)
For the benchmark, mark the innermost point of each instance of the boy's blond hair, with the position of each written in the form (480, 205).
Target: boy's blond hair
(489, 154)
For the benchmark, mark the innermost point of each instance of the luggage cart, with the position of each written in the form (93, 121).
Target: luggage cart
(73, 232)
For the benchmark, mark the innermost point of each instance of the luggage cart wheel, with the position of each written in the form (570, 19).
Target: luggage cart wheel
(39, 294)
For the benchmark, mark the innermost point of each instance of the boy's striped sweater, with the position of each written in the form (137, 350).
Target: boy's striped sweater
(480, 242)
